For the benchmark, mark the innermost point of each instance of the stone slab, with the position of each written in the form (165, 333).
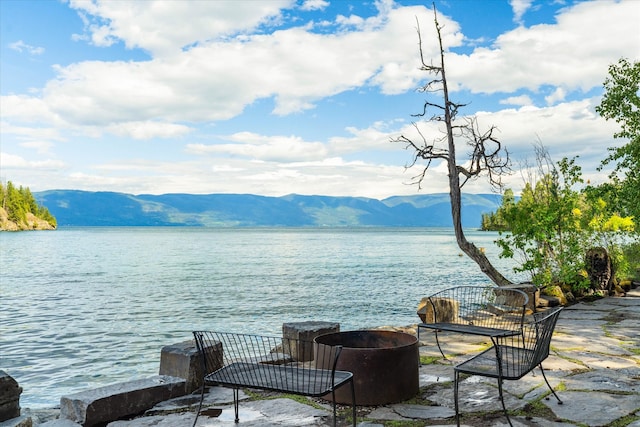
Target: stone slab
(593, 408)
(59, 423)
(260, 413)
(113, 402)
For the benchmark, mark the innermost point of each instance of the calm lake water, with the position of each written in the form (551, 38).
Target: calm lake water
(86, 307)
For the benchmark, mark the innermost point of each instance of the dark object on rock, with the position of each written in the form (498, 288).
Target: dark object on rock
(9, 397)
(599, 269)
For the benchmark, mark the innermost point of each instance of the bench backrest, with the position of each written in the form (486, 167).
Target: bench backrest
(220, 349)
(487, 306)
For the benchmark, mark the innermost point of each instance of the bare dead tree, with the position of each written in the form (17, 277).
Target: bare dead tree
(487, 155)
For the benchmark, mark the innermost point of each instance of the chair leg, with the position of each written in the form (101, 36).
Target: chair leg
(456, 378)
(333, 400)
(199, 405)
(440, 348)
(502, 400)
(548, 385)
(236, 403)
(353, 401)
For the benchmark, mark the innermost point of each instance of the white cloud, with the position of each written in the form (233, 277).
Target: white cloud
(148, 129)
(12, 162)
(21, 46)
(41, 147)
(517, 100)
(520, 7)
(574, 54)
(258, 147)
(151, 24)
(314, 4)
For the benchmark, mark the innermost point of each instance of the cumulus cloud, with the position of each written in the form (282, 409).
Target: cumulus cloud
(566, 55)
(151, 24)
(314, 4)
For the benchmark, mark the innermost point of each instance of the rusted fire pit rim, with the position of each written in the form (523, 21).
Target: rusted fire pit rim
(368, 339)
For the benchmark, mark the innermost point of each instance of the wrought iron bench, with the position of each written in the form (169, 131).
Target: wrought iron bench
(270, 363)
(512, 357)
(490, 311)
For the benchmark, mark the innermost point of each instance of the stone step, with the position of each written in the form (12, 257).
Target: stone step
(117, 401)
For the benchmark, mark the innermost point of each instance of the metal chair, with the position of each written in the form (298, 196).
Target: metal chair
(511, 358)
(475, 310)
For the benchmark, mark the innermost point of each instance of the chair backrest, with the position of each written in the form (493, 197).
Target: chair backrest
(219, 349)
(523, 352)
(489, 306)
(541, 331)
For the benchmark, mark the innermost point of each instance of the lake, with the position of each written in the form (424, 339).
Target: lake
(85, 307)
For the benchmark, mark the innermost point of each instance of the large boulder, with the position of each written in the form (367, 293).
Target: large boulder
(9, 397)
(101, 405)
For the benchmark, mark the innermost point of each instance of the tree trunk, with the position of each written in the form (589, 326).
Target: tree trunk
(455, 192)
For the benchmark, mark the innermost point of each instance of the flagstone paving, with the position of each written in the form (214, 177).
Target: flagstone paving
(594, 366)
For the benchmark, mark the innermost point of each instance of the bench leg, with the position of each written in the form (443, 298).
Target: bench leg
(199, 405)
(440, 348)
(236, 403)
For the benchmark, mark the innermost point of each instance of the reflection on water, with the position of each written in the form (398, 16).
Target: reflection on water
(85, 307)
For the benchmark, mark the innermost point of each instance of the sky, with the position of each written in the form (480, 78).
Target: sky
(274, 97)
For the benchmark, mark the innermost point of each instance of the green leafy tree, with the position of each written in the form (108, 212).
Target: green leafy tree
(621, 102)
(545, 228)
(17, 202)
(496, 221)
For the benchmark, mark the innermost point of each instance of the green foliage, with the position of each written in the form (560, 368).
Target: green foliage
(553, 225)
(545, 228)
(18, 202)
(496, 221)
(621, 102)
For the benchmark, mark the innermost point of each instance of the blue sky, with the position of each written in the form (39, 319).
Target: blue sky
(275, 97)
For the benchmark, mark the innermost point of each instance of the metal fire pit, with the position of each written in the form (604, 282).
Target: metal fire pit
(384, 365)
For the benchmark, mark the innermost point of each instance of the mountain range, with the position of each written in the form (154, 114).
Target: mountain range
(85, 208)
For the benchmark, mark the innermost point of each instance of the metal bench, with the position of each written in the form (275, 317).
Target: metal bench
(512, 357)
(270, 363)
(490, 311)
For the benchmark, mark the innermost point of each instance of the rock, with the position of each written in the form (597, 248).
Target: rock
(113, 402)
(182, 360)
(447, 309)
(532, 292)
(9, 397)
(20, 421)
(306, 332)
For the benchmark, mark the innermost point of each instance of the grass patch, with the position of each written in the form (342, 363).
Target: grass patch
(535, 409)
(429, 360)
(634, 350)
(624, 421)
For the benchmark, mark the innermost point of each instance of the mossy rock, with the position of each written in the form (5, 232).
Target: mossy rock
(557, 292)
(625, 285)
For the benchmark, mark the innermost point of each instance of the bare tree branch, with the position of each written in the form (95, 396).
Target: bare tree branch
(487, 155)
